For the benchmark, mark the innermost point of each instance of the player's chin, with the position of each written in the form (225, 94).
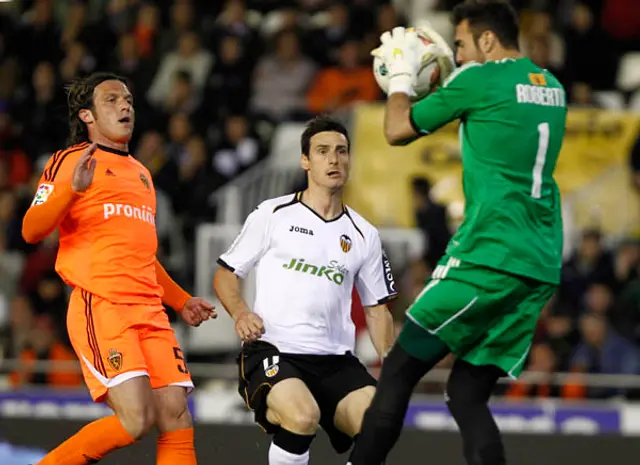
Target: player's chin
(335, 181)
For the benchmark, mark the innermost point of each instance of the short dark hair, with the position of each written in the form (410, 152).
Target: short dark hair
(80, 97)
(321, 124)
(497, 16)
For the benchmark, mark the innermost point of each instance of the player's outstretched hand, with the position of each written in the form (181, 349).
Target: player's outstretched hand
(197, 310)
(249, 326)
(85, 167)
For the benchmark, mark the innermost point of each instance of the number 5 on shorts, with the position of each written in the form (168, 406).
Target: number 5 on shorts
(182, 366)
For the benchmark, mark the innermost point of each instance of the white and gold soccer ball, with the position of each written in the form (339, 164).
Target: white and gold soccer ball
(434, 69)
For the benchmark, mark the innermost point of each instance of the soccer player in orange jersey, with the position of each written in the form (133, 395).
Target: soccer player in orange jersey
(103, 202)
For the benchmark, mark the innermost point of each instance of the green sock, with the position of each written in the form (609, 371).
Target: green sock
(421, 344)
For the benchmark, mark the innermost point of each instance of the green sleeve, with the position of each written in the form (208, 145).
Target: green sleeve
(460, 93)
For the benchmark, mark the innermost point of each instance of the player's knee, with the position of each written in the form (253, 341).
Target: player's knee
(172, 412)
(470, 385)
(137, 419)
(302, 418)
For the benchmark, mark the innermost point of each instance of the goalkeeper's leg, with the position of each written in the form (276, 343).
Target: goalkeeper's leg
(468, 391)
(415, 353)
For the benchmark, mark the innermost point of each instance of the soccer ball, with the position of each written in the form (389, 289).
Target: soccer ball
(433, 69)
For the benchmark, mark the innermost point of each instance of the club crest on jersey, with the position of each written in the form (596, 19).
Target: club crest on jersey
(115, 359)
(270, 365)
(145, 181)
(345, 243)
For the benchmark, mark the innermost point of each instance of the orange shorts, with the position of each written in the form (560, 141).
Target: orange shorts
(117, 342)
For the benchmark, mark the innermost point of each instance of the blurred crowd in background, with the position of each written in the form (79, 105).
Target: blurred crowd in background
(212, 79)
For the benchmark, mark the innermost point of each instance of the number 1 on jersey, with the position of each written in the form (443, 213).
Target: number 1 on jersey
(541, 156)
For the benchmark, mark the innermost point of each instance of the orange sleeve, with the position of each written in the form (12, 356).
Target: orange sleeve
(52, 199)
(173, 295)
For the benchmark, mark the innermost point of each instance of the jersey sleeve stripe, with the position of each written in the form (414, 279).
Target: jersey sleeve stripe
(387, 299)
(225, 265)
(54, 160)
(457, 72)
(57, 161)
(98, 363)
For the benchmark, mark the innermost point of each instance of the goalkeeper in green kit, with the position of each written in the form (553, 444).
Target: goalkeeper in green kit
(484, 298)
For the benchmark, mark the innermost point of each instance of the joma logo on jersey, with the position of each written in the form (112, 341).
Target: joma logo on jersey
(300, 230)
(334, 272)
(143, 213)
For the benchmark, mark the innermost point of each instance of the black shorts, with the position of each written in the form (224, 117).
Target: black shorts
(330, 378)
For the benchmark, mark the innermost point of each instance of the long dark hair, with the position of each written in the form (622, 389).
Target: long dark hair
(80, 97)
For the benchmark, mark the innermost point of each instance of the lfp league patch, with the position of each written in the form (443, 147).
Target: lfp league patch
(42, 194)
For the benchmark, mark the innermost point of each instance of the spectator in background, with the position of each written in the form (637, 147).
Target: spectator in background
(237, 150)
(129, 63)
(588, 51)
(182, 21)
(49, 299)
(190, 57)
(10, 222)
(152, 153)
(229, 86)
(431, 219)
(542, 360)
(78, 61)
(39, 37)
(233, 20)
(44, 347)
(339, 87)
(581, 96)
(43, 113)
(16, 334)
(589, 264)
(195, 185)
(604, 351)
(183, 97)
(146, 30)
(15, 166)
(327, 37)
(180, 130)
(282, 79)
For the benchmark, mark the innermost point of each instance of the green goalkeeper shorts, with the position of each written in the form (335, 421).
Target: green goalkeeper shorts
(484, 316)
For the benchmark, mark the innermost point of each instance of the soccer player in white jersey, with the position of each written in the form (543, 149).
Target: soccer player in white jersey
(297, 367)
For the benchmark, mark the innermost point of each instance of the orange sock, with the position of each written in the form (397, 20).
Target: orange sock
(90, 444)
(176, 447)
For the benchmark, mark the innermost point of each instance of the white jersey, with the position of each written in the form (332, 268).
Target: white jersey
(306, 268)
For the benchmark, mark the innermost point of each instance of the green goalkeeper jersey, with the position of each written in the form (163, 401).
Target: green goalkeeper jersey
(512, 119)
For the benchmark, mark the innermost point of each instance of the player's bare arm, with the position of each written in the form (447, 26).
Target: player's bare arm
(248, 325)
(193, 310)
(398, 129)
(380, 324)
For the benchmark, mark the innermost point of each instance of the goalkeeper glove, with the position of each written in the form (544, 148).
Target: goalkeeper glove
(399, 51)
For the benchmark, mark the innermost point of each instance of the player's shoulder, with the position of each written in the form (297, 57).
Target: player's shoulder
(362, 225)
(63, 160)
(277, 204)
(467, 73)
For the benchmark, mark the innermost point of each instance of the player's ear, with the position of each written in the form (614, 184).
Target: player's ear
(487, 42)
(85, 115)
(304, 162)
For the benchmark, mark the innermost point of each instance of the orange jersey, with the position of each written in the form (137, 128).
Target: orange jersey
(108, 238)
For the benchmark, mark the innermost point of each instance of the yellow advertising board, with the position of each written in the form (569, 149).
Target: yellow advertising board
(592, 169)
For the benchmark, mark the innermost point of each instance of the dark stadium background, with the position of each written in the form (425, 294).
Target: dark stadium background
(215, 83)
